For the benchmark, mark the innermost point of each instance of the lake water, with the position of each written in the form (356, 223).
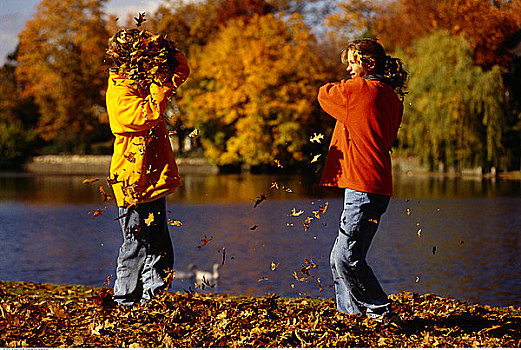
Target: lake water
(468, 247)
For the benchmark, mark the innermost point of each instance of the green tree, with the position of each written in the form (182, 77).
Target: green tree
(60, 64)
(454, 114)
(18, 116)
(252, 91)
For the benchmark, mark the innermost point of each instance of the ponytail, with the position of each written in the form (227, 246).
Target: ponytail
(396, 74)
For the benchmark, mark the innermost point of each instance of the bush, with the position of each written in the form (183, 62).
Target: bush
(15, 145)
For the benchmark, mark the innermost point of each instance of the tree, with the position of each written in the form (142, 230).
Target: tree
(188, 23)
(60, 64)
(18, 117)
(487, 25)
(252, 90)
(454, 116)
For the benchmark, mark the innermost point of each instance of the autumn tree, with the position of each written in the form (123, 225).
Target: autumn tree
(252, 91)
(60, 65)
(454, 116)
(18, 116)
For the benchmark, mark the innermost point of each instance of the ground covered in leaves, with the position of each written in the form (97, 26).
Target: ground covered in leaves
(46, 315)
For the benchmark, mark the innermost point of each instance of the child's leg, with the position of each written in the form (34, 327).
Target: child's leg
(160, 254)
(128, 286)
(145, 254)
(356, 286)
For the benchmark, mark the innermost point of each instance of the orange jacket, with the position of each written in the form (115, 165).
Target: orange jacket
(143, 166)
(368, 114)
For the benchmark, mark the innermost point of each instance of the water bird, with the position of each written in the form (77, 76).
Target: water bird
(185, 275)
(206, 277)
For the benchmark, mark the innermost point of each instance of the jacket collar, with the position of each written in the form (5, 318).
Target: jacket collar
(377, 77)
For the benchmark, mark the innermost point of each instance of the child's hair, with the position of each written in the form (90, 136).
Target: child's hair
(371, 51)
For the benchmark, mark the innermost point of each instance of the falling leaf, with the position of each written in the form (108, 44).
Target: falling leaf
(274, 265)
(194, 133)
(223, 257)
(373, 220)
(150, 219)
(140, 19)
(259, 200)
(97, 212)
(175, 222)
(316, 138)
(433, 250)
(417, 279)
(106, 197)
(88, 181)
(294, 212)
(321, 210)
(307, 222)
(262, 279)
(419, 232)
(408, 211)
(130, 157)
(315, 158)
(274, 185)
(278, 163)
(253, 227)
(205, 241)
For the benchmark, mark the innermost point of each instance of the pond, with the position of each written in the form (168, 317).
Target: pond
(452, 237)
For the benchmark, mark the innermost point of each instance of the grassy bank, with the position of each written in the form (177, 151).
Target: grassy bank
(45, 315)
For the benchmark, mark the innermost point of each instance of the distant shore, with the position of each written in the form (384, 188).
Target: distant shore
(99, 165)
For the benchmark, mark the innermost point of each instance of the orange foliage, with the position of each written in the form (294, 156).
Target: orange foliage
(487, 25)
(60, 65)
(252, 91)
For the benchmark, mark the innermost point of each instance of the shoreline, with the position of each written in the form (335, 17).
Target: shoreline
(100, 164)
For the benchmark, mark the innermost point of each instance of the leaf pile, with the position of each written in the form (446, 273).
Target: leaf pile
(142, 56)
(45, 315)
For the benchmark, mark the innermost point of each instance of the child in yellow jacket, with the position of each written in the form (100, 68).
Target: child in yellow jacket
(142, 172)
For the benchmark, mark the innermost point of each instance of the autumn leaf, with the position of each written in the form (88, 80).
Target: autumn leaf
(259, 200)
(140, 19)
(307, 222)
(274, 266)
(321, 209)
(150, 219)
(278, 163)
(175, 222)
(106, 197)
(205, 241)
(315, 158)
(194, 133)
(97, 212)
(88, 181)
(130, 157)
(294, 212)
(316, 138)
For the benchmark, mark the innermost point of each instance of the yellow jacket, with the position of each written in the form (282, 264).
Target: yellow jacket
(143, 166)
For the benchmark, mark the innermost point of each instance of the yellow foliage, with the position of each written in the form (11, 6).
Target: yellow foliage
(252, 90)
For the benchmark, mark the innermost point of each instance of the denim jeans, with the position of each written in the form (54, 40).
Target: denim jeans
(146, 254)
(356, 287)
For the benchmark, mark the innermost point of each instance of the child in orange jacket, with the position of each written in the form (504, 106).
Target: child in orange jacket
(143, 170)
(368, 110)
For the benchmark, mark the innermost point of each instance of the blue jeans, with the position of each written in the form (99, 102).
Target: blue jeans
(146, 255)
(356, 287)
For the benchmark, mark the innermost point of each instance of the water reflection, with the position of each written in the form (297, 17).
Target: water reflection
(475, 226)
